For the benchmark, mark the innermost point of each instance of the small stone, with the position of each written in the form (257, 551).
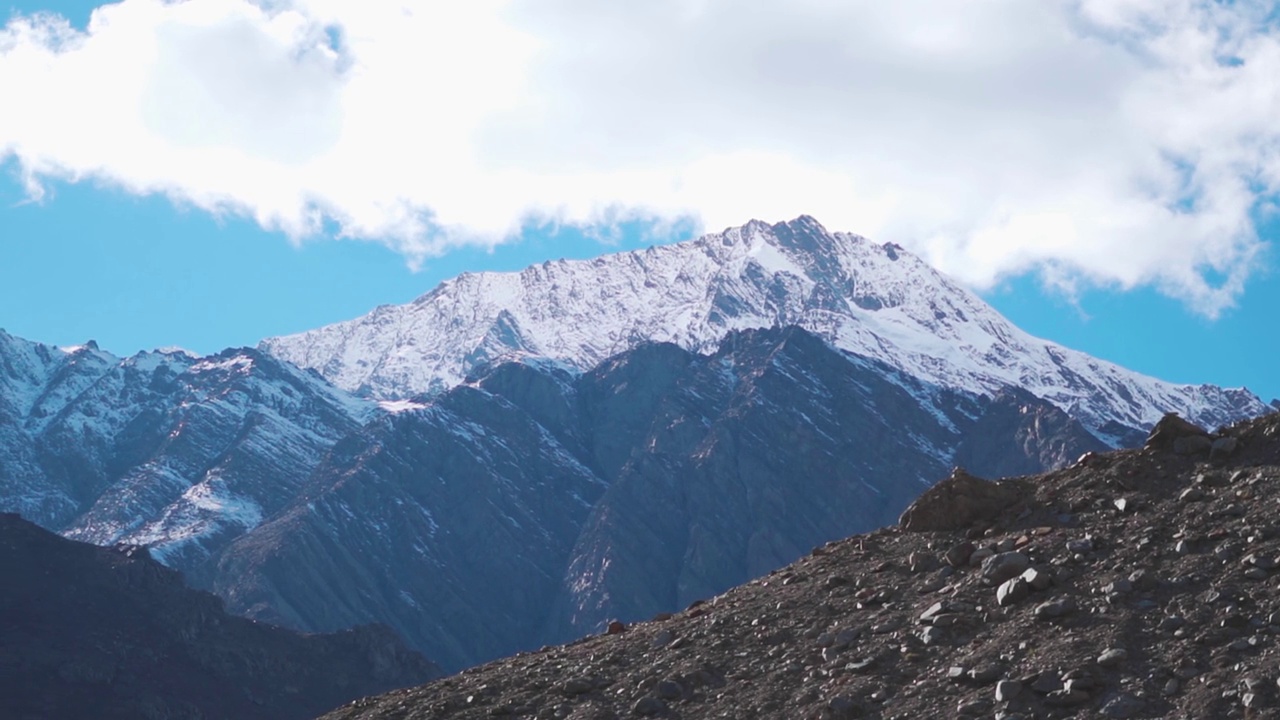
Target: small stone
(1255, 573)
(956, 673)
(1054, 609)
(615, 627)
(1037, 579)
(1182, 548)
(958, 555)
(972, 707)
(1118, 587)
(933, 611)
(668, 690)
(1047, 683)
(1265, 562)
(931, 635)
(977, 557)
(1007, 690)
(1123, 505)
(663, 638)
(845, 638)
(577, 686)
(1080, 545)
(1012, 591)
(1171, 687)
(842, 705)
(1191, 494)
(1113, 657)
(985, 674)
(1067, 698)
(1124, 705)
(649, 705)
(1006, 545)
(1004, 566)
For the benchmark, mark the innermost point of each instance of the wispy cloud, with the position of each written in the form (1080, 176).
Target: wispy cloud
(1116, 142)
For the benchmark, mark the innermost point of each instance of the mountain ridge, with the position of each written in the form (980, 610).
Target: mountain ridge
(875, 300)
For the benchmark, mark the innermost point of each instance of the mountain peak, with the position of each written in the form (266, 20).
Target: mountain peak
(876, 300)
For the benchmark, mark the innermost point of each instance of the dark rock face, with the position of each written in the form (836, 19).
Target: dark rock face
(1134, 584)
(534, 505)
(1020, 434)
(93, 632)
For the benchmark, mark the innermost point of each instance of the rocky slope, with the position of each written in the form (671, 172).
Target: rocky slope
(109, 633)
(877, 301)
(533, 505)
(1134, 584)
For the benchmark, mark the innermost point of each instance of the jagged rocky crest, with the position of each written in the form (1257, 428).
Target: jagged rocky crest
(878, 301)
(93, 632)
(1134, 584)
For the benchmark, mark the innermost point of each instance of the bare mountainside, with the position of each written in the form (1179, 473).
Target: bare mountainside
(92, 632)
(877, 301)
(1135, 584)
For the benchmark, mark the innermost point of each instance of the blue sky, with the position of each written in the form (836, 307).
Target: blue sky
(213, 172)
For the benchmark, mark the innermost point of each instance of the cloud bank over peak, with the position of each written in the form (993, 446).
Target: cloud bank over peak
(1116, 142)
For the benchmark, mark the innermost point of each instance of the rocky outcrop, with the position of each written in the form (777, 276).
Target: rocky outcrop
(1135, 584)
(959, 502)
(93, 632)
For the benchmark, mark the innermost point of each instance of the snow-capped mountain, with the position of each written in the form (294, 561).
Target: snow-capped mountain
(163, 449)
(515, 458)
(878, 301)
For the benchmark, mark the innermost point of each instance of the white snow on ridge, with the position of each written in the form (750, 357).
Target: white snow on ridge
(873, 300)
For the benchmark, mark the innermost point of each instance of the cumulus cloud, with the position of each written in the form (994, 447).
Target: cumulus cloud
(1113, 142)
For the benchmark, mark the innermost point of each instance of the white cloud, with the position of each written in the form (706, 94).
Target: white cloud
(1120, 142)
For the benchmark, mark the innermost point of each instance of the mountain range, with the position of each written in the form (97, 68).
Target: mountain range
(515, 459)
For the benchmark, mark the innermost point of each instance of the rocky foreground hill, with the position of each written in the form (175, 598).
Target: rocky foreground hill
(92, 632)
(1135, 584)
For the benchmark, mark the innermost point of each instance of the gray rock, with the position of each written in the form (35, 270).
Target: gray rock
(1080, 545)
(1055, 609)
(663, 638)
(979, 556)
(668, 690)
(958, 554)
(649, 705)
(1124, 705)
(1004, 566)
(1266, 562)
(1007, 690)
(1191, 494)
(1012, 591)
(1113, 657)
(1067, 698)
(986, 674)
(1046, 683)
(577, 686)
(931, 635)
(1038, 579)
